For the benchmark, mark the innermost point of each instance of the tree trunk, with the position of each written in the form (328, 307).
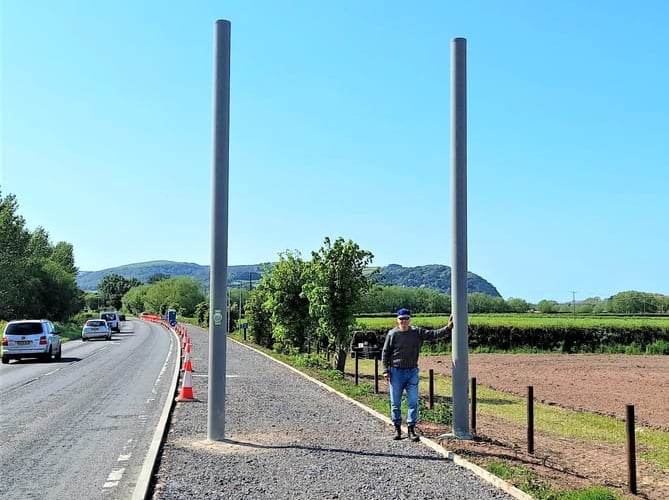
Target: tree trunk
(339, 361)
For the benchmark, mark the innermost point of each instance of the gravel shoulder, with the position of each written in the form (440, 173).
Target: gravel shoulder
(289, 437)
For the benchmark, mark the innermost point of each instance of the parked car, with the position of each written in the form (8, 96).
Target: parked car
(96, 329)
(31, 338)
(112, 319)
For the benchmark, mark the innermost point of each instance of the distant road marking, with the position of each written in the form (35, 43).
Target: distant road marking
(114, 477)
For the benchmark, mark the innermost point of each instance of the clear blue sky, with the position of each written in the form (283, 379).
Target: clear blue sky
(340, 126)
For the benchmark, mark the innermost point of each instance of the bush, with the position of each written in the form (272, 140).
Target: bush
(361, 390)
(302, 361)
(658, 347)
(442, 413)
(82, 317)
(335, 375)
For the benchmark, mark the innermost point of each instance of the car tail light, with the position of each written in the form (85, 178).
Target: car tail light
(42, 340)
(4, 341)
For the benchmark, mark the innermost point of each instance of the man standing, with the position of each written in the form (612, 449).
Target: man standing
(400, 367)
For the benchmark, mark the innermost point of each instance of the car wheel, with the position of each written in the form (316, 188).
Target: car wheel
(47, 356)
(83, 339)
(5, 360)
(60, 352)
(109, 337)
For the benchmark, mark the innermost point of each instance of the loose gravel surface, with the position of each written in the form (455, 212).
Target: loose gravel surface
(289, 437)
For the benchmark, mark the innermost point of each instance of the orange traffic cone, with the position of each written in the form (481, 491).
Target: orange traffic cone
(186, 393)
(186, 357)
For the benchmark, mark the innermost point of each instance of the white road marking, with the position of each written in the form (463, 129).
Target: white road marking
(114, 477)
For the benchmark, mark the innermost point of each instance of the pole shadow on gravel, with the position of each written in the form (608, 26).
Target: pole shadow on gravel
(332, 450)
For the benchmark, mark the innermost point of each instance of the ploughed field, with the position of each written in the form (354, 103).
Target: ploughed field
(597, 383)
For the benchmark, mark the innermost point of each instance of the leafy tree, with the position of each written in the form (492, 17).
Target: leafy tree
(202, 313)
(134, 299)
(156, 277)
(113, 287)
(63, 255)
(258, 315)
(92, 300)
(334, 288)
(39, 246)
(584, 308)
(33, 280)
(518, 305)
(14, 276)
(477, 303)
(288, 305)
(57, 292)
(600, 307)
(182, 293)
(633, 302)
(548, 306)
(389, 298)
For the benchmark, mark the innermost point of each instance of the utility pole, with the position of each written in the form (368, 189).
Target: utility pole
(573, 302)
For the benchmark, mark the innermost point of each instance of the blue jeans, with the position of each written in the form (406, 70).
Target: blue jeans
(402, 379)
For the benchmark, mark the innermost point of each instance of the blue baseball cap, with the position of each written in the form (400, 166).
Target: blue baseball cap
(404, 312)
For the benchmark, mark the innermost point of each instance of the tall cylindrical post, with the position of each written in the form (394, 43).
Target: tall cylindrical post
(460, 351)
(218, 310)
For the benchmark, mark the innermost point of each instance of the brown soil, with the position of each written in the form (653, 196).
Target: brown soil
(603, 384)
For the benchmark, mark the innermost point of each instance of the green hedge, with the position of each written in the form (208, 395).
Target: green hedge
(651, 339)
(564, 339)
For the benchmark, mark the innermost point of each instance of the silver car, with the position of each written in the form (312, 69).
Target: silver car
(31, 338)
(96, 329)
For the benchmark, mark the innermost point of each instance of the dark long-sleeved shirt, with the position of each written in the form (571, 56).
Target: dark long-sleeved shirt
(401, 349)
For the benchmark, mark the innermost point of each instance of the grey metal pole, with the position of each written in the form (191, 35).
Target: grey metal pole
(460, 349)
(218, 310)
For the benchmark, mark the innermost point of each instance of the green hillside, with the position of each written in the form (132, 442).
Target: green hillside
(435, 276)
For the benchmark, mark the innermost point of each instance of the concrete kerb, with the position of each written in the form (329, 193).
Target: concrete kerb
(448, 455)
(146, 474)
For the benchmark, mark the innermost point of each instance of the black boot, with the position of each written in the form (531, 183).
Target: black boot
(412, 434)
(398, 433)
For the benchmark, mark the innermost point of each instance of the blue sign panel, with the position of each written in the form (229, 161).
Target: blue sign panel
(172, 317)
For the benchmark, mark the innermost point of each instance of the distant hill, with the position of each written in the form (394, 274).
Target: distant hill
(88, 280)
(435, 276)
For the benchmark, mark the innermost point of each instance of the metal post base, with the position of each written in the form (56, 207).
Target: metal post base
(451, 435)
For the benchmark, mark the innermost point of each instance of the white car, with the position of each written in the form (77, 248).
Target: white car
(112, 319)
(96, 329)
(31, 338)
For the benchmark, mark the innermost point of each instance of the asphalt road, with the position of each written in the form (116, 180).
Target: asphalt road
(81, 427)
